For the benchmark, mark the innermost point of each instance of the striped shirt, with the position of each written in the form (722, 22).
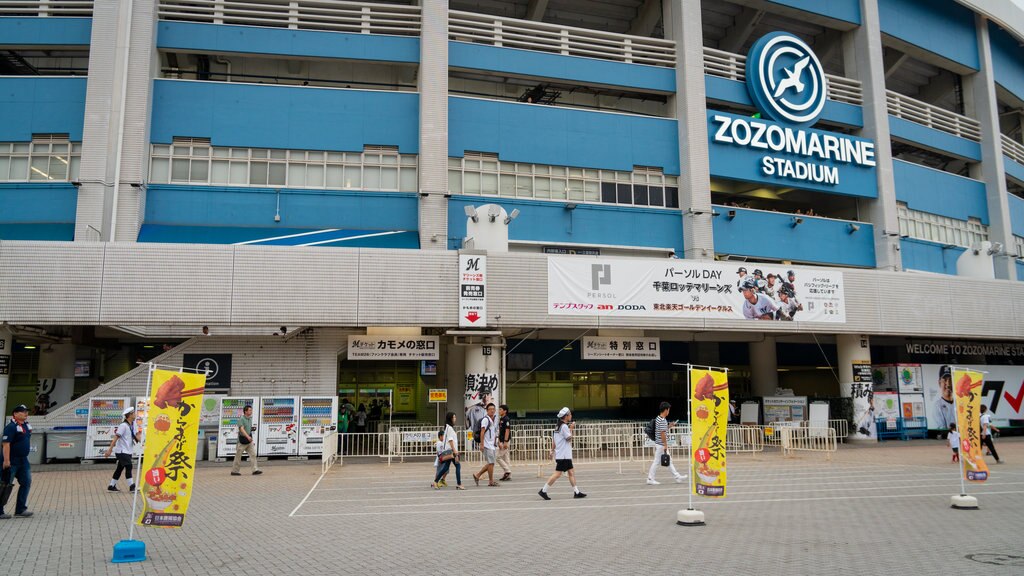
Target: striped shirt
(660, 425)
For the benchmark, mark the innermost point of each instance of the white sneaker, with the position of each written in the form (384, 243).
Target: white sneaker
(652, 482)
(680, 479)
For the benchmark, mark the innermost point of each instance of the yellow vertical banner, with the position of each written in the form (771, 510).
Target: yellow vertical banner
(709, 415)
(172, 435)
(967, 390)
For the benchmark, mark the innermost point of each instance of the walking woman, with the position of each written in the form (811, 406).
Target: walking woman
(123, 446)
(451, 442)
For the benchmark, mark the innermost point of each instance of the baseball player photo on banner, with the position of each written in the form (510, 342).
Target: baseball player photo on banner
(967, 385)
(669, 288)
(172, 435)
(709, 415)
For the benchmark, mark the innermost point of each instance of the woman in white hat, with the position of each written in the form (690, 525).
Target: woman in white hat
(561, 451)
(123, 447)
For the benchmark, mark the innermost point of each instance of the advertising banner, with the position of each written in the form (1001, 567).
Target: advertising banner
(472, 283)
(481, 390)
(863, 411)
(669, 288)
(172, 435)
(392, 348)
(709, 415)
(621, 348)
(887, 405)
(967, 390)
(913, 405)
(1002, 392)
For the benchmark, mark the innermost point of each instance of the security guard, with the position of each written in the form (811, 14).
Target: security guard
(16, 438)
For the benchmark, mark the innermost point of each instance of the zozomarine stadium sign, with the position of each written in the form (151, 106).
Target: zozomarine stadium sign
(788, 85)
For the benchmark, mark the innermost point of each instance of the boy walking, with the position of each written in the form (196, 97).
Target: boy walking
(561, 451)
(954, 442)
(488, 441)
(661, 446)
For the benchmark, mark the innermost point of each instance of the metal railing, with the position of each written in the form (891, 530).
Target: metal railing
(330, 15)
(923, 113)
(1012, 149)
(815, 439)
(44, 8)
(772, 432)
(734, 67)
(566, 40)
(330, 452)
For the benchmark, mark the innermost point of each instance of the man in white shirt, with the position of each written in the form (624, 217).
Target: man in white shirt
(945, 410)
(742, 275)
(788, 306)
(561, 451)
(986, 433)
(488, 446)
(661, 446)
(123, 446)
(771, 287)
(756, 306)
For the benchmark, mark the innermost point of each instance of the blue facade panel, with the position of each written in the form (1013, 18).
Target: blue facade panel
(761, 234)
(306, 43)
(547, 65)
(15, 31)
(284, 116)
(733, 92)
(929, 256)
(541, 221)
(845, 10)
(1013, 169)
(1020, 270)
(41, 105)
(940, 26)
(561, 136)
(37, 211)
(1016, 215)
(932, 138)
(1007, 60)
(938, 192)
(255, 207)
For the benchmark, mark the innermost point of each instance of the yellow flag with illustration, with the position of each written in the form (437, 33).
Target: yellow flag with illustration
(172, 435)
(967, 390)
(709, 415)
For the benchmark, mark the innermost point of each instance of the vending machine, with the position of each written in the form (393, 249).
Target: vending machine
(317, 420)
(278, 433)
(231, 408)
(105, 414)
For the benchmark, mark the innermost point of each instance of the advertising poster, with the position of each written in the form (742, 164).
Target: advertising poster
(863, 411)
(785, 409)
(709, 415)
(172, 436)
(967, 385)
(481, 389)
(669, 288)
(913, 405)
(1002, 392)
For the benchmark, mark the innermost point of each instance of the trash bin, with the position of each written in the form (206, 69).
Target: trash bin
(211, 447)
(65, 444)
(36, 447)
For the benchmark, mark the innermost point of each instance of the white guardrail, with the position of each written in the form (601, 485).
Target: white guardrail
(1012, 149)
(734, 67)
(44, 8)
(816, 439)
(923, 113)
(566, 40)
(330, 452)
(332, 15)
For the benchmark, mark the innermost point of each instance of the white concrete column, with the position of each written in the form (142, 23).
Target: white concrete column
(6, 344)
(433, 157)
(851, 348)
(764, 367)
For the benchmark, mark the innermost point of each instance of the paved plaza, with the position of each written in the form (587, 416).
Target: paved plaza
(871, 510)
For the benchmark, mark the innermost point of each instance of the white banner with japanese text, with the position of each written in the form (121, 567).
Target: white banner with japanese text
(621, 348)
(393, 347)
(671, 288)
(472, 284)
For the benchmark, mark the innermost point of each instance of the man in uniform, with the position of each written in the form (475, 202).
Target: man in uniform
(788, 306)
(756, 306)
(16, 441)
(771, 287)
(742, 274)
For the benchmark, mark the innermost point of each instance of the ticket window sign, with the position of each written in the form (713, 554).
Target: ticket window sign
(438, 395)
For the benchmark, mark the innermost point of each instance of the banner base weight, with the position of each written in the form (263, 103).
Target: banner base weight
(690, 517)
(963, 502)
(129, 551)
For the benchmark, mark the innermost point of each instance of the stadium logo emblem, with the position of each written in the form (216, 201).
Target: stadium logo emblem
(785, 79)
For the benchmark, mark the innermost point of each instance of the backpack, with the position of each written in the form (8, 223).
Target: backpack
(476, 430)
(649, 429)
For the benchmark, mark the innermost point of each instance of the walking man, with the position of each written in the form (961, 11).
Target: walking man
(16, 441)
(245, 444)
(504, 435)
(661, 446)
(986, 433)
(488, 446)
(561, 451)
(123, 447)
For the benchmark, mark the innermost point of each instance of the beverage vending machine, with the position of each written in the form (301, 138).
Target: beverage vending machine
(231, 408)
(278, 428)
(317, 419)
(105, 414)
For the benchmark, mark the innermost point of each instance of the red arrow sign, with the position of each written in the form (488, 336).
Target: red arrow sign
(472, 316)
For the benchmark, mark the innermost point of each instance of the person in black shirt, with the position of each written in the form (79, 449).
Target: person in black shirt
(504, 436)
(16, 441)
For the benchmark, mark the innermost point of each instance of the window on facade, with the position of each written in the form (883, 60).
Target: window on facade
(935, 228)
(195, 161)
(483, 174)
(47, 158)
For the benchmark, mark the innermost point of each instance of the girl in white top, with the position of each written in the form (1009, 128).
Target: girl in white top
(954, 442)
(438, 449)
(123, 446)
(561, 451)
(451, 442)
